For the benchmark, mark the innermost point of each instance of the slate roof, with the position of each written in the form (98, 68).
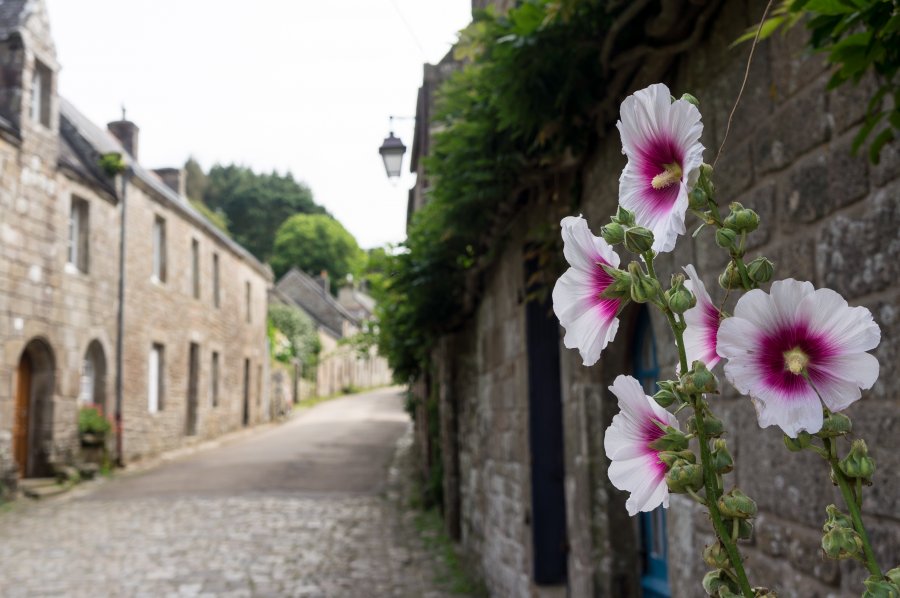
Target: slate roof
(97, 141)
(308, 294)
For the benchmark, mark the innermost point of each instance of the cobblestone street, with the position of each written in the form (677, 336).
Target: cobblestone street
(231, 521)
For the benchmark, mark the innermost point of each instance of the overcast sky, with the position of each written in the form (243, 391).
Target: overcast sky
(299, 85)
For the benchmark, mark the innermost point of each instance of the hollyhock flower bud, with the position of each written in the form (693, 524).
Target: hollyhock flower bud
(711, 425)
(670, 457)
(802, 441)
(760, 270)
(678, 297)
(671, 440)
(731, 277)
(842, 543)
(714, 555)
(643, 287)
(879, 587)
(835, 518)
(699, 380)
(858, 463)
(722, 460)
(620, 286)
(689, 98)
(698, 199)
(836, 424)
(638, 239)
(623, 217)
(737, 505)
(726, 238)
(684, 476)
(745, 528)
(746, 220)
(613, 233)
(894, 576)
(664, 398)
(715, 581)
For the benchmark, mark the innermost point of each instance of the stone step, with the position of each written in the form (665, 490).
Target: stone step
(38, 492)
(36, 482)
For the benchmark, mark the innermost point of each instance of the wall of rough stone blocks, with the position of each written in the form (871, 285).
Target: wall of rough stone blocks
(828, 216)
(167, 313)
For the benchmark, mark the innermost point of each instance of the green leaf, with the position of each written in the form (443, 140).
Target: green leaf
(769, 27)
(830, 7)
(880, 140)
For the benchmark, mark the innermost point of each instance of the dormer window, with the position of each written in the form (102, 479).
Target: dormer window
(40, 94)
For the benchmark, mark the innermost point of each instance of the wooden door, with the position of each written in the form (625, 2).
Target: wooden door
(21, 420)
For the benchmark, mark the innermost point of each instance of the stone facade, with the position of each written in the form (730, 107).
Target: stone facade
(59, 299)
(341, 367)
(828, 216)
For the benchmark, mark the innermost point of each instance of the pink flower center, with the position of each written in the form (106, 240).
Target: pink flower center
(796, 339)
(650, 432)
(658, 161)
(600, 281)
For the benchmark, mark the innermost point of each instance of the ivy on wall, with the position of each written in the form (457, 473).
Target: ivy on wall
(523, 100)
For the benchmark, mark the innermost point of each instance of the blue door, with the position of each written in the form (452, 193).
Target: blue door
(653, 544)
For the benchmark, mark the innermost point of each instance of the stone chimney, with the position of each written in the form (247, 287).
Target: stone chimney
(323, 281)
(127, 134)
(174, 178)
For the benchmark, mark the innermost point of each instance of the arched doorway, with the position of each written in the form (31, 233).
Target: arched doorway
(93, 376)
(33, 425)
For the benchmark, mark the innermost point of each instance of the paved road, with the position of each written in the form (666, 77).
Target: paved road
(294, 510)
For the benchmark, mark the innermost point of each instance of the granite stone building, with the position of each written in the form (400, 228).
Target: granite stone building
(194, 360)
(341, 366)
(521, 420)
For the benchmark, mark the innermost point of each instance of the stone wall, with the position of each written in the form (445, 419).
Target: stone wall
(166, 312)
(828, 216)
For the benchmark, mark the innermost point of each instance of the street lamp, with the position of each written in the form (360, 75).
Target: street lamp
(392, 150)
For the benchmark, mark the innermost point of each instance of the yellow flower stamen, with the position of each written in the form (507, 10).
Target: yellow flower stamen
(796, 360)
(670, 175)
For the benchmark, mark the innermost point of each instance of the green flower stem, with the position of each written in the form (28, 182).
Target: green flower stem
(710, 483)
(853, 507)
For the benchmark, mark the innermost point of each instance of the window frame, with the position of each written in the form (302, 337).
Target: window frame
(195, 268)
(156, 383)
(78, 254)
(158, 273)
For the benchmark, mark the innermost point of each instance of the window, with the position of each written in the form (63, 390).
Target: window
(78, 234)
(40, 94)
(159, 249)
(195, 267)
(86, 396)
(214, 380)
(155, 371)
(215, 276)
(247, 293)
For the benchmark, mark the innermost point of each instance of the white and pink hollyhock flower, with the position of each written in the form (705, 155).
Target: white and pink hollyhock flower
(636, 467)
(773, 339)
(661, 140)
(588, 317)
(702, 323)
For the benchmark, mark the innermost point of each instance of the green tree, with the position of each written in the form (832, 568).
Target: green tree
(302, 339)
(316, 242)
(195, 181)
(256, 204)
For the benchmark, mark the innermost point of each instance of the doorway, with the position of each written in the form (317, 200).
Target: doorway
(33, 420)
(190, 427)
(545, 435)
(245, 420)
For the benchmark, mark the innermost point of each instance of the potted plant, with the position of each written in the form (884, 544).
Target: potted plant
(92, 426)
